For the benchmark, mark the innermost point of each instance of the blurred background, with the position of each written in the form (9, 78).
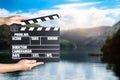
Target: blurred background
(90, 38)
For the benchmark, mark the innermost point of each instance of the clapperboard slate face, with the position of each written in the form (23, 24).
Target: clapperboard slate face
(39, 43)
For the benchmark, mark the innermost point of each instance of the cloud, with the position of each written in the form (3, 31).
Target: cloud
(73, 0)
(76, 5)
(86, 18)
(3, 12)
(73, 16)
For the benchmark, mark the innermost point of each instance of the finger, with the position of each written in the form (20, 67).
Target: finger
(16, 22)
(24, 60)
(22, 18)
(32, 61)
(19, 18)
(38, 63)
(28, 68)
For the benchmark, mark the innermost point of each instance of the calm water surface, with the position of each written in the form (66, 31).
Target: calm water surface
(64, 70)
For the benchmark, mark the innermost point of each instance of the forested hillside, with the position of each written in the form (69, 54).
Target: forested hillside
(111, 48)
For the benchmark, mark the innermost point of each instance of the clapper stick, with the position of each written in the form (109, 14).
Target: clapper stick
(40, 19)
(39, 43)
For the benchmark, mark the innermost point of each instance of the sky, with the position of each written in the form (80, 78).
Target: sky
(73, 13)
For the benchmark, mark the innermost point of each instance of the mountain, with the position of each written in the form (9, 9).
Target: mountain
(87, 37)
(111, 48)
(115, 28)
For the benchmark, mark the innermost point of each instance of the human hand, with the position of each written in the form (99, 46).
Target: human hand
(28, 64)
(14, 19)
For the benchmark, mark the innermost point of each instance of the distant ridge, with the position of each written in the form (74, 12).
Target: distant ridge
(93, 37)
(115, 28)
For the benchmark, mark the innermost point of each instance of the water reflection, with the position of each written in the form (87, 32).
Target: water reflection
(115, 68)
(64, 71)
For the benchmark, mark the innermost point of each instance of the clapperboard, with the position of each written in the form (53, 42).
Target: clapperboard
(39, 43)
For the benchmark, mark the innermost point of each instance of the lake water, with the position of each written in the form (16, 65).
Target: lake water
(82, 67)
(64, 70)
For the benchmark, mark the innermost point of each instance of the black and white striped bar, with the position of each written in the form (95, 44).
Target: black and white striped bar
(39, 28)
(40, 19)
